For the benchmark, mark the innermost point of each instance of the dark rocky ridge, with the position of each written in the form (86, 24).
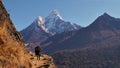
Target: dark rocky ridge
(96, 46)
(104, 30)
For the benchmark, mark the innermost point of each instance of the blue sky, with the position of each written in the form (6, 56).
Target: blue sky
(82, 12)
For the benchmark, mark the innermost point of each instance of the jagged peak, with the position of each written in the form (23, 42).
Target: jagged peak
(103, 21)
(54, 15)
(55, 12)
(106, 15)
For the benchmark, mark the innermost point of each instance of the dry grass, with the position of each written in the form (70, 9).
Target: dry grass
(13, 53)
(12, 50)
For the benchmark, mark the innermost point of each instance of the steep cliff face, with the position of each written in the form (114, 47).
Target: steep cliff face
(13, 53)
(12, 49)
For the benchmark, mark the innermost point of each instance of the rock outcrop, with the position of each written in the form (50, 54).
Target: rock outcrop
(44, 62)
(13, 53)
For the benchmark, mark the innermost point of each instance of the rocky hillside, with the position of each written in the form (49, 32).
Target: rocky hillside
(13, 53)
(44, 62)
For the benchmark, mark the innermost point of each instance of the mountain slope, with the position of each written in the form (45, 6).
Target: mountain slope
(55, 24)
(35, 33)
(89, 58)
(41, 28)
(13, 53)
(96, 46)
(12, 49)
(103, 32)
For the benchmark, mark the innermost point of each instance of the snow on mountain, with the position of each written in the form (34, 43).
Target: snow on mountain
(42, 28)
(54, 23)
(41, 23)
(40, 20)
(54, 15)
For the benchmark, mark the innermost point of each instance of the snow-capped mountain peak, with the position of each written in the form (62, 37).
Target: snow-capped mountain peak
(52, 24)
(42, 28)
(54, 15)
